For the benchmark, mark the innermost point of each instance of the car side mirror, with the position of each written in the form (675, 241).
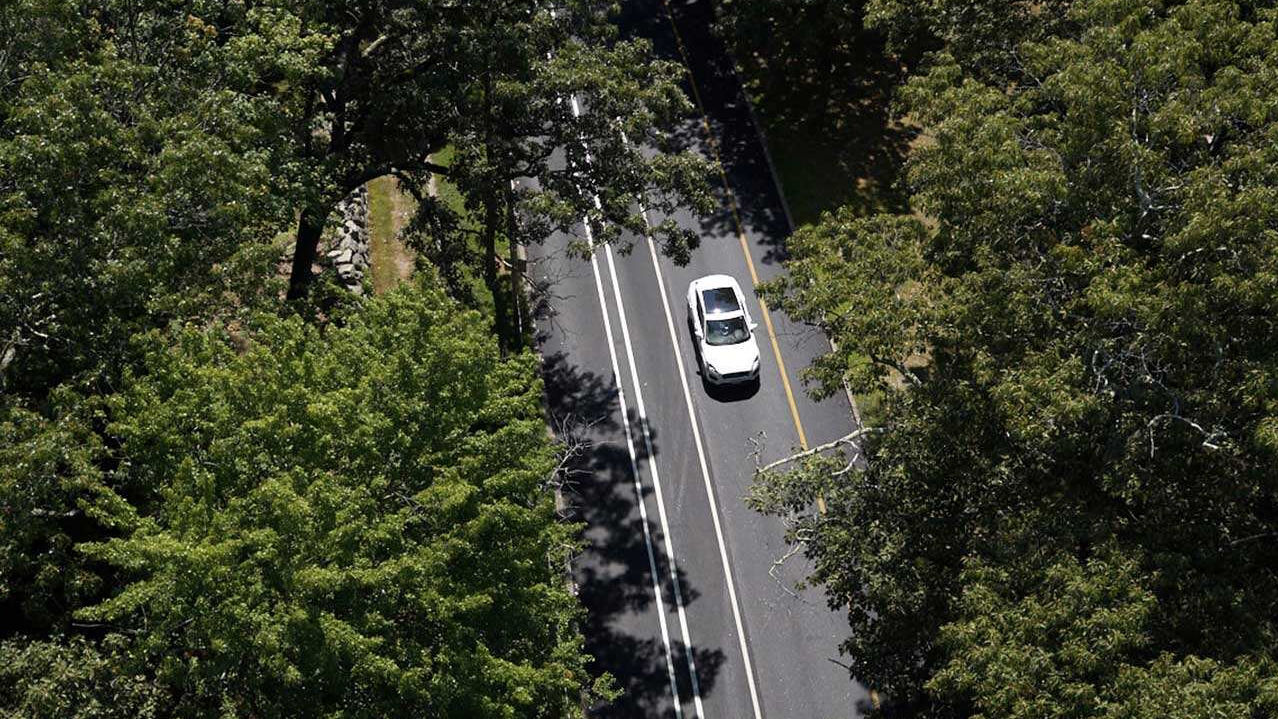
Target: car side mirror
(697, 331)
(754, 326)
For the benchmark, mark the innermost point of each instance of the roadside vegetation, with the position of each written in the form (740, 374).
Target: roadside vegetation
(229, 486)
(821, 84)
(1069, 506)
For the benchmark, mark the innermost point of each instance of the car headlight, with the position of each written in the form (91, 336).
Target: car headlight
(754, 366)
(712, 370)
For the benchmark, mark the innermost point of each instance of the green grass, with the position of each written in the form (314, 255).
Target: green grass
(384, 246)
(446, 191)
(816, 176)
(453, 199)
(870, 407)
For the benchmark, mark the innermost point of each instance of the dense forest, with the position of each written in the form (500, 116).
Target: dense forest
(1067, 505)
(228, 486)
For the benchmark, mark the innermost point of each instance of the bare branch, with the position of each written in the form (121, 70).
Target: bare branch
(1210, 438)
(845, 439)
(776, 564)
(1252, 538)
(373, 46)
(900, 367)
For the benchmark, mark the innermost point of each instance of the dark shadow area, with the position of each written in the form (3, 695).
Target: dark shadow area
(730, 392)
(577, 400)
(825, 109)
(759, 204)
(613, 573)
(823, 85)
(545, 281)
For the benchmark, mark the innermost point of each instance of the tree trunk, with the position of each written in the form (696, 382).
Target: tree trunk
(309, 228)
(516, 272)
(492, 214)
(825, 64)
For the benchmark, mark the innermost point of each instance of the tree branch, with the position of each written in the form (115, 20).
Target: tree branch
(1209, 438)
(373, 46)
(1252, 538)
(845, 439)
(900, 368)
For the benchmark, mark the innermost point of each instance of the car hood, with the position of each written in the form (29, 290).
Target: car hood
(729, 359)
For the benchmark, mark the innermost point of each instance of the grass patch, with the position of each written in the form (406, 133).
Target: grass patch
(832, 134)
(476, 292)
(870, 407)
(447, 192)
(387, 254)
(817, 175)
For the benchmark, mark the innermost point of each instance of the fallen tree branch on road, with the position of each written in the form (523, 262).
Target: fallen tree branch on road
(845, 439)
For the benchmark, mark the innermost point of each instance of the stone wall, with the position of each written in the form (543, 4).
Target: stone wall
(349, 253)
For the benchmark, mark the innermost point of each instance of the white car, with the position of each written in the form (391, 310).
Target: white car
(723, 331)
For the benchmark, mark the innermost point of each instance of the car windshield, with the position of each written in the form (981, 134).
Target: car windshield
(720, 301)
(727, 332)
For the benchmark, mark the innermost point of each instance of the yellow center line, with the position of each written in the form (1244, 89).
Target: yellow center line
(754, 275)
(745, 244)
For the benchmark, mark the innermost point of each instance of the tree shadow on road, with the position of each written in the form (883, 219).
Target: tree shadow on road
(833, 136)
(613, 573)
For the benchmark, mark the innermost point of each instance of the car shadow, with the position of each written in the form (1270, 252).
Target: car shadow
(729, 392)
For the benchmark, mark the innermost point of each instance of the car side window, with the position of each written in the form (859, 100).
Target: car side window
(701, 317)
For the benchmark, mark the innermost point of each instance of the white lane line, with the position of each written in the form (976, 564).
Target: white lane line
(634, 472)
(667, 535)
(705, 473)
(656, 483)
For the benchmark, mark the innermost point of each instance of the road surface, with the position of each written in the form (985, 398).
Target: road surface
(685, 607)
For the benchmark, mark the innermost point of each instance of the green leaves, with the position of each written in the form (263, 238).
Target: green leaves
(347, 522)
(51, 486)
(132, 196)
(71, 677)
(1075, 646)
(1045, 654)
(892, 310)
(1074, 335)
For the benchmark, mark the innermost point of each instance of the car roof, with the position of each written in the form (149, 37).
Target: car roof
(710, 281)
(720, 295)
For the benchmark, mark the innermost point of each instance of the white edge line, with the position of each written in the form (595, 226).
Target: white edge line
(656, 483)
(634, 471)
(705, 476)
(667, 535)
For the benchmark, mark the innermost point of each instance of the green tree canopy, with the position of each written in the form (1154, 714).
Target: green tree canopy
(394, 81)
(75, 679)
(1080, 646)
(137, 185)
(1075, 339)
(345, 522)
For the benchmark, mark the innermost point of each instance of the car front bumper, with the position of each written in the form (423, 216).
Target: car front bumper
(732, 377)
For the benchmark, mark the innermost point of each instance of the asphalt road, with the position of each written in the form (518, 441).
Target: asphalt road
(685, 607)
